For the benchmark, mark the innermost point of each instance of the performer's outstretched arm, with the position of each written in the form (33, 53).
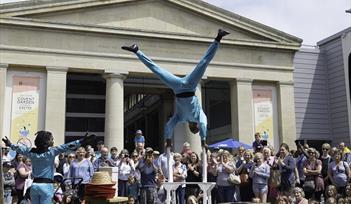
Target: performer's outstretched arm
(168, 132)
(203, 125)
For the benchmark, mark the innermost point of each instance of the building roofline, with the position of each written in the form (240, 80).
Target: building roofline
(43, 6)
(333, 37)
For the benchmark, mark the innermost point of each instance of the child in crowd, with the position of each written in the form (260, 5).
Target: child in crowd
(331, 200)
(331, 192)
(348, 192)
(8, 181)
(161, 191)
(283, 200)
(131, 200)
(133, 187)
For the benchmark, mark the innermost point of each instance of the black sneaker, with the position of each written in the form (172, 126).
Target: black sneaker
(221, 34)
(133, 48)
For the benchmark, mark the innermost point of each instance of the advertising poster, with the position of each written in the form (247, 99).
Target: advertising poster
(263, 113)
(25, 108)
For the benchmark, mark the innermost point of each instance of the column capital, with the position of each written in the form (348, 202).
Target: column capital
(57, 68)
(286, 83)
(244, 80)
(115, 76)
(4, 66)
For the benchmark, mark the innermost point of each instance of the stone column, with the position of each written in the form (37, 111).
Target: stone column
(3, 73)
(166, 114)
(242, 110)
(286, 111)
(195, 140)
(55, 111)
(114, 114)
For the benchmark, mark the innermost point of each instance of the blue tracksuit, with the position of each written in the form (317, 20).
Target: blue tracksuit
(187, 109)
(43, 167)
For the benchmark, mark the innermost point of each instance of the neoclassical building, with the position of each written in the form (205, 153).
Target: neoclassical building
(62, 70)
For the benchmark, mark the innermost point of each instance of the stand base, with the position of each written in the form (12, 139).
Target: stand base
(205, 187)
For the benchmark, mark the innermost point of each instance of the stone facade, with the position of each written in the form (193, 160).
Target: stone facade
(57, 37)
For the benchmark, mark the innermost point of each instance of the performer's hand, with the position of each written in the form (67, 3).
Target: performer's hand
(6, 141)
(88, 139)
(203, 144)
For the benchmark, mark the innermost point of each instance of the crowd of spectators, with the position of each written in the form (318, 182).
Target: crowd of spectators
(263, 173)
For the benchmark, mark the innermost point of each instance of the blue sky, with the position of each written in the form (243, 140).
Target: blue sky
(310, 20)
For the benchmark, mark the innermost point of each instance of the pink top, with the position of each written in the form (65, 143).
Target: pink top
(19, 182)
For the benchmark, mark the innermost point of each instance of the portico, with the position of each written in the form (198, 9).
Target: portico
(85, 37)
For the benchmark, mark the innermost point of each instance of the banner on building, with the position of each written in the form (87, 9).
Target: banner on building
(263, 113)
(25, 107)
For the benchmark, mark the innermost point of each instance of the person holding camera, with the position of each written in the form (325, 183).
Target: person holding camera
(246, 193)
(125, 169)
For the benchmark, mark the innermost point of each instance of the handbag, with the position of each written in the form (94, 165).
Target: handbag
(234, 179)
(27, 183)
(309, 186)
(275, 178)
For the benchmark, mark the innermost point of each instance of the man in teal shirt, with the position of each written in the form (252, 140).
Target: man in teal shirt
(43, 158)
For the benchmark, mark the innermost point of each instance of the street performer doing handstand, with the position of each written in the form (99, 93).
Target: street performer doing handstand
(188, 108)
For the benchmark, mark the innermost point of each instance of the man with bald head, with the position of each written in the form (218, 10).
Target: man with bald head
(103, 160)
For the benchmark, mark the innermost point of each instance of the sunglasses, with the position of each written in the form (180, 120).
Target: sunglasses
(71, 157)
(325, 149)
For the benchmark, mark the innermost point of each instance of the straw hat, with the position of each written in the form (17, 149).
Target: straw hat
(101, 178)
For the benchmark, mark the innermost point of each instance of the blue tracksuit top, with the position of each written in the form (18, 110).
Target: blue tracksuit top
(187, 109)
(43, 164)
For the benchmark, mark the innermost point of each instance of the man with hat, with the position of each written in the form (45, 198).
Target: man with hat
(148, 171)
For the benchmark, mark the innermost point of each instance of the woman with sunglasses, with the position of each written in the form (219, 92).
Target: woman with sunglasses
(314, 184)
(339, 173)
(66, 165)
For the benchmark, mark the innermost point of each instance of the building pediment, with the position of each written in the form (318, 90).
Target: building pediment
(178, 17)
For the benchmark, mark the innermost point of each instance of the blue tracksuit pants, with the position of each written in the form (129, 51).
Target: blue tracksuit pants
(187, 109)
